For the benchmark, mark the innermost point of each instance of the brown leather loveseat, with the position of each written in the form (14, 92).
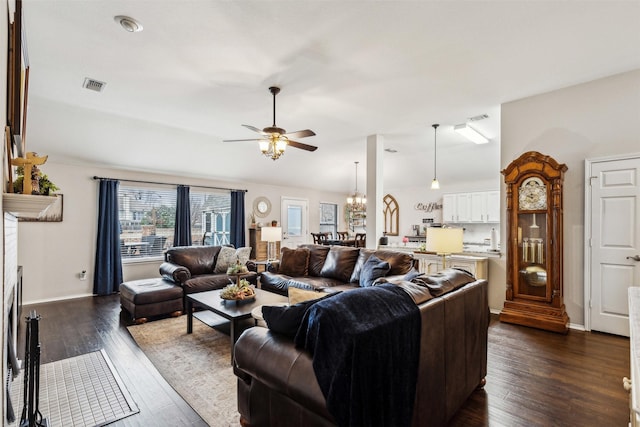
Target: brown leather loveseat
(200, 268)
(330, 268)
(277, 381)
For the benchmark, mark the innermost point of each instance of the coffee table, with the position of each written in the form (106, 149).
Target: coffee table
(232, 311)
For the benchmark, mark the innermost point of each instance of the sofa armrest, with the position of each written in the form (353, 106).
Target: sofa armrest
(251, 266)
(175, 273)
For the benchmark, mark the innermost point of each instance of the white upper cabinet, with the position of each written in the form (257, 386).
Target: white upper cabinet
(479, 206)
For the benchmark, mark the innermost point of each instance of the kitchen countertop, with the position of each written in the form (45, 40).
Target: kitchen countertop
(467, 254)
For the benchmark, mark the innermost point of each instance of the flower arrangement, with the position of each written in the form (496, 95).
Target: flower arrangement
(242, 290)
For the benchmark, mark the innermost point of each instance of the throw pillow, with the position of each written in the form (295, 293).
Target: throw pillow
(286, 320)
(373, 269)
(297, 295)
(229, 256)
(294, 262)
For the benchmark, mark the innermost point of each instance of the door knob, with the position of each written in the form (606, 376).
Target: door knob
(635, 258)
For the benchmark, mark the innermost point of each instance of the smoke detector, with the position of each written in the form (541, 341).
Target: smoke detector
(93, 84)
(128, 23)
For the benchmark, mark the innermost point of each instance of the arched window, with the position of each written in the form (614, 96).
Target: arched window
(391, 212)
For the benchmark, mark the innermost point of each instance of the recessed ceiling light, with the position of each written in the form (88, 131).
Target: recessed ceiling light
(128, 23)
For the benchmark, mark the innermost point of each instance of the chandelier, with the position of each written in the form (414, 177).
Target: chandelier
(273, 147)
(356, 201)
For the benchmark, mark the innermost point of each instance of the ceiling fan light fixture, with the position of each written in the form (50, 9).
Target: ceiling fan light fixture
(264, 145)
(471, 134)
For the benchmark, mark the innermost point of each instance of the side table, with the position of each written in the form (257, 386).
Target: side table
(266, 264)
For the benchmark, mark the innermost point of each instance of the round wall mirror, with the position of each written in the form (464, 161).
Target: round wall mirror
(261, 206)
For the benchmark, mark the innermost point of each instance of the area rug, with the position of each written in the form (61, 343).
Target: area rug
(196, 365)
(79, 391)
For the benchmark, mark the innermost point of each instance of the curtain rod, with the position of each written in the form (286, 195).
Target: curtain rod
(168, 183)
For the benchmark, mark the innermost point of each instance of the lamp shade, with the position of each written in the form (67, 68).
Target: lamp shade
(271, 234)
(444, 240)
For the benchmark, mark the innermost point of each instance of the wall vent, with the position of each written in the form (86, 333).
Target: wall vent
(93, 84)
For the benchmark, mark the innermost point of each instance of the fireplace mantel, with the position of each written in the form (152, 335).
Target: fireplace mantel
(26, 205)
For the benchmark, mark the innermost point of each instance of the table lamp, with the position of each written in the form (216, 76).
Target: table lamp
(271, 235)
(444, 241)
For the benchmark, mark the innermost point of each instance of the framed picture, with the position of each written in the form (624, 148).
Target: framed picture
(53, 214)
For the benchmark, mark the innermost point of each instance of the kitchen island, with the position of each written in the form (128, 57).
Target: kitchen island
(430, 262)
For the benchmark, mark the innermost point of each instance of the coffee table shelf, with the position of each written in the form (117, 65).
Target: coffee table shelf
(219, 312)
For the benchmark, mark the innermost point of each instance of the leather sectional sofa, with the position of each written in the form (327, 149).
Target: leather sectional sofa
(193, 269)
(330, 268)
(277, 381)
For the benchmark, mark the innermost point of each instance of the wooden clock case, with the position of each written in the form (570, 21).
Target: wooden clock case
(534, 295)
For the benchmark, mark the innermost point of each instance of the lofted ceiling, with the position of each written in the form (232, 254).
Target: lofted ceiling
(201, 69)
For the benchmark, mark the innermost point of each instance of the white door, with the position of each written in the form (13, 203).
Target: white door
(613, 216)
(295, 220)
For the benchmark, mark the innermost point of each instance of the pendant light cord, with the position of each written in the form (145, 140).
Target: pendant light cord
(435, 150)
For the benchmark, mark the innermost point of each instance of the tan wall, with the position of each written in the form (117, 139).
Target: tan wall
(54, 253)
(594, 119)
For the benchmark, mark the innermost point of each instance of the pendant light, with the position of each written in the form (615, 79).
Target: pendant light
(435, 185)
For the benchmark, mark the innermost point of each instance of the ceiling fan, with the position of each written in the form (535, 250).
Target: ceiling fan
(275, 140)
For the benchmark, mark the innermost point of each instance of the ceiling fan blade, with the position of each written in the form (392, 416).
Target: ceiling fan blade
(255, 129)
(240, 140)
(302, 146)
(300, 134)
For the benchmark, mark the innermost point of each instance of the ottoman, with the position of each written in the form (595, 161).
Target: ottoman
(150, 297)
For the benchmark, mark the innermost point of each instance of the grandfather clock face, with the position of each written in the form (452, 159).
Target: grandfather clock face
(532, 195)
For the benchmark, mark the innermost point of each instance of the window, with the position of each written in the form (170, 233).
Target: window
(147, 220)
(328, 218)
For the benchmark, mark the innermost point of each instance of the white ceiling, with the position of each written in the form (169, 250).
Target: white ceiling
(201, 69)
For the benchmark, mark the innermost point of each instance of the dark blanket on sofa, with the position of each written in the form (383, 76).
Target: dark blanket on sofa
(365, 345)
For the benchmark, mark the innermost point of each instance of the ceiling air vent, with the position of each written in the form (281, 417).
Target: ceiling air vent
(479, 117)
(93, 85)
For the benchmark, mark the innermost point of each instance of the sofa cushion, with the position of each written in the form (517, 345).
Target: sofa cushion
(340, 263)
(317, 257)
(229, 256)
(286, 320)
(400, 262)
(373, 269)
(444, 281)
(294, 262)
(362, 258)
(198, 259)
(297, 295)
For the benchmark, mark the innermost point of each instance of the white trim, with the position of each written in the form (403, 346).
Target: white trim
(40, 301)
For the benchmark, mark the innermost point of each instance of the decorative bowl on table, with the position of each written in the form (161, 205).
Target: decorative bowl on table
(242, 291)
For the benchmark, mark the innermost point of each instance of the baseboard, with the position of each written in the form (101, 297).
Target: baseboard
(573, 326)
(40, 301)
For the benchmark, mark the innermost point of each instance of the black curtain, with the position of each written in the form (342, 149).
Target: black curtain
(236, 234)
(182, 229)
(108, 266)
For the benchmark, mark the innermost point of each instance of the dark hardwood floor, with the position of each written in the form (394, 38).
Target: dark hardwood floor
(535, 378)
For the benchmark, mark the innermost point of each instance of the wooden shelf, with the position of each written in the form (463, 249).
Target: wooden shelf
(26, 205)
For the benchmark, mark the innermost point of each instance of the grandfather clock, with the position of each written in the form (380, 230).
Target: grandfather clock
(534, 243)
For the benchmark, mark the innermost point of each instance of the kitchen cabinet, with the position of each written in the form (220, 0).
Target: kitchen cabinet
(479, 206)
(456, 207)
(431, 263)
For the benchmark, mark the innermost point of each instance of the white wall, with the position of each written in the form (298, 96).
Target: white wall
(594, 119)
(54, 253)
